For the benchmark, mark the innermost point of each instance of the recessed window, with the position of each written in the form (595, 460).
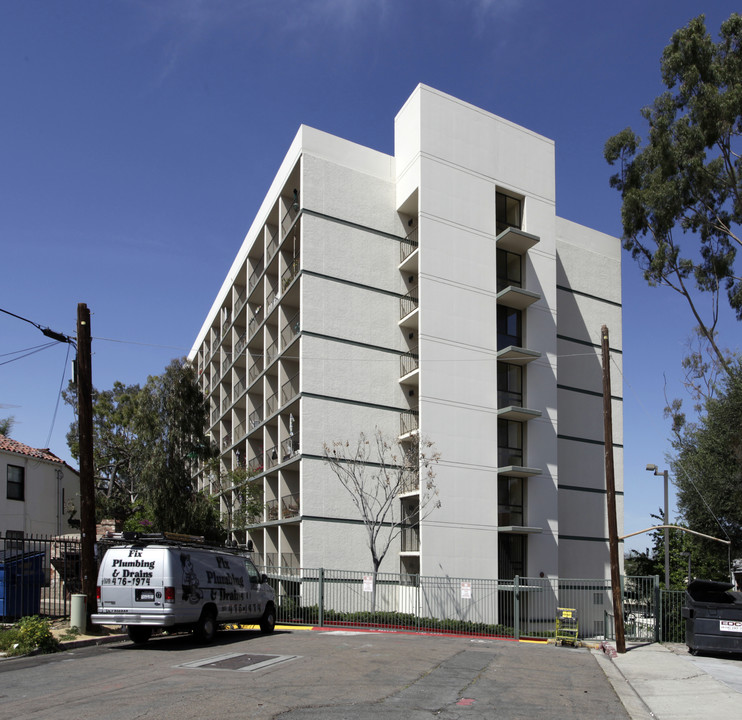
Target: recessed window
(509, 501)
(508, 212)
(509, 443)
(16, 482)
(509, 385)
(508, 270)
(509, 327)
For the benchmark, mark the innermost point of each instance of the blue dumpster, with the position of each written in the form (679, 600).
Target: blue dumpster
(21, 580)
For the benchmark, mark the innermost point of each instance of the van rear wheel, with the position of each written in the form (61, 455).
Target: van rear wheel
(268, 621)
(205, 629)
(138, 634)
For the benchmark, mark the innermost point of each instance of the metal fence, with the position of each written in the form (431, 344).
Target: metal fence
(518, 608)
(38, 575)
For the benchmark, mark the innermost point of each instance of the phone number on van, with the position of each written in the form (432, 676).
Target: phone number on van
(127, 581)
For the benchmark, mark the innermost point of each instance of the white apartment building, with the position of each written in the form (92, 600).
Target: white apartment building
(436, 292)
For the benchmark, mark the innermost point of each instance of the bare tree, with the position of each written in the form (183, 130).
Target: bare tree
(376, 471)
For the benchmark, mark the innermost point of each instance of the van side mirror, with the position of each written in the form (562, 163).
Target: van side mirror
(264, 578)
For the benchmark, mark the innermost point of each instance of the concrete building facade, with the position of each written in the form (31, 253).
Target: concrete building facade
(431, 293)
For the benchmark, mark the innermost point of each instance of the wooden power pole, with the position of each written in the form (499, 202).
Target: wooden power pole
(87, 482)
(610, 486)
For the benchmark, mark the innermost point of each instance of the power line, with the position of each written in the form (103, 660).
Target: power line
(48, 332)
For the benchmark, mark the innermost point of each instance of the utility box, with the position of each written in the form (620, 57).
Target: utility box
(21, 580)
(713, 617)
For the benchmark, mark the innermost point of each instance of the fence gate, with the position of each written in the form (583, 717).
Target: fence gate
(38, 575)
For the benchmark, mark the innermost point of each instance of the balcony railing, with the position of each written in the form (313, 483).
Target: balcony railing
(271, 457)
(254, 322)
(509, 456)
(256, 464)
(255, 418)
(290, 330)
(254, 277)
(271, 352)
(291, 214)
(239, 301)
(290, 273)
(289, 448)
(273, 297)
(408, 362)
(290, 389)
(272, 246)
(241, 344)
(239, 388)
(240, 431)
(290, 506)
(408, 303)
(408, 246)
(409, 421)
(271, 404)
(290, 561)
(271, 510)
(255, 369)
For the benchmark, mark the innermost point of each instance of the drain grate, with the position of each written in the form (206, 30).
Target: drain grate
(238, 662)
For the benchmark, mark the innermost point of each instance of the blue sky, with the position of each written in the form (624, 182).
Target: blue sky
(138, 138)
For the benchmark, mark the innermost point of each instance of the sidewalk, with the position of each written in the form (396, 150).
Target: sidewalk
(665, 681)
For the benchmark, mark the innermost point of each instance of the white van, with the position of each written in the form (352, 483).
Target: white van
(162, 583)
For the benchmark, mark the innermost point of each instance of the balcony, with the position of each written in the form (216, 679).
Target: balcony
(408, 363)
(271, 353)
(255, 369)
(520, 414)
(290, 273)
(254, 419)
(239, 301)
(271, 510)
(256, 464)
(289, 448)
(291, 214)
(241, 344)
(407, 246)
(272, 301)
(272, 246)
(271, 404)
(516, 298)
(517, 355)
(290, 331)
(409, 422)
(516, 241)
(254, 277)
(290, 506)
(408, 304)
(254, 322)
(290, 389)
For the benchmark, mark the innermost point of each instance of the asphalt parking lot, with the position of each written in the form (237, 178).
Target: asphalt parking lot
(311, 674)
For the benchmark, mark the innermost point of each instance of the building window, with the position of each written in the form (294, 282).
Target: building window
(509, 385)
(16, 482)
(509, 327)
(508, 269)
(511, 556)
(509, 443)
(507, 212)
(410, 525)
(509, 501)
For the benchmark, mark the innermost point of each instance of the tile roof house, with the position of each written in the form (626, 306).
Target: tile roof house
(39, 491)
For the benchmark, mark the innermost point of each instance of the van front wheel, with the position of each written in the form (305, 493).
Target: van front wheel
(205, 629)
(138, 634)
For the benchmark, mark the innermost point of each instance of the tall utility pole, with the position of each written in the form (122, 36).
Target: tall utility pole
(610, 486)
(87, 486)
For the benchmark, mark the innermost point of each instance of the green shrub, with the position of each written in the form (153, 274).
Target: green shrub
(28, 634)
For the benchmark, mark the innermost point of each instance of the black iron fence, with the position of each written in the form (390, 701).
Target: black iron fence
(38, 576)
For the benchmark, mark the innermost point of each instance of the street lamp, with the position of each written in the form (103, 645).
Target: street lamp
(665, 522)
